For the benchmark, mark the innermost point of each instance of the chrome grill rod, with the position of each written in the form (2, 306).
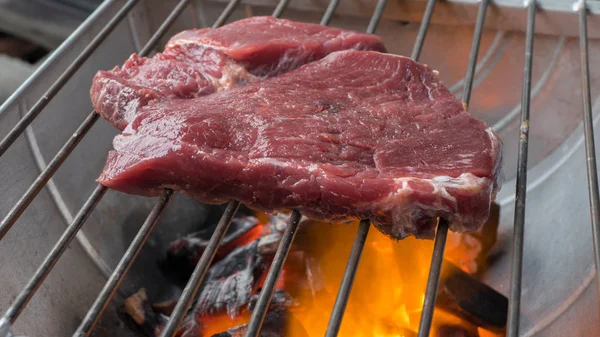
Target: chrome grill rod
(55, 88)
(339, 307)
(514, 307)
(588, 127)
(442, 230)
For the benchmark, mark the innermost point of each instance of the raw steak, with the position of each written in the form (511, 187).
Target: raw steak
(355, 135)
(199, 62)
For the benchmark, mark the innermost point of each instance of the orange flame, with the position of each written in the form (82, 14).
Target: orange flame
(388, 291)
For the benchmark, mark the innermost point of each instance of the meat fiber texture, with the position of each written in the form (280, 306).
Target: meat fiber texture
(355, 135)
(199, 62)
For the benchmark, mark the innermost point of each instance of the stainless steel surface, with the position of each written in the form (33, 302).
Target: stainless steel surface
(588, 130)
(110, 288)
(268, 288)
(43, 101)
(516, 274)
(52, 258)
(557, 299)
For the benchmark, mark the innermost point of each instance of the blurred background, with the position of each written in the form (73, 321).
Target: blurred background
(29, 30)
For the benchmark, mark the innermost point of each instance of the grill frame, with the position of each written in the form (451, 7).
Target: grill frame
(112, 284)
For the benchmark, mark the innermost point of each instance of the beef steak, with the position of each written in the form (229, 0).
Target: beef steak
(355, 135)
(198, 62)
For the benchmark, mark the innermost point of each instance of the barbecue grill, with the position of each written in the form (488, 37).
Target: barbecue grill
(546, 270)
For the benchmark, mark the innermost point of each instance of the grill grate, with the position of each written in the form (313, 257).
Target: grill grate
(106, 294)
(521, 192)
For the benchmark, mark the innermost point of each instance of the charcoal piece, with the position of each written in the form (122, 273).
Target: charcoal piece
(276, 323)
(183, 254)
(280, 300)
(190, 327)
(138, 308)
(229, 282)
(471, 300)
(455, 331)
(267, 245)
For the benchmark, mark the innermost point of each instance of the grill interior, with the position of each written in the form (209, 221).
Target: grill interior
(32, 218)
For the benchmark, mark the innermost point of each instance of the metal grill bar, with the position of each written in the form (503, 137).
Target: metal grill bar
(64, 78)
(442, 230)
(420, 40)
(226, 13)
(195, 281)
(376, 16)
(339, 307)
(34, 283)
(329, 12)
(433, 279)
(335, 320)
(260, 310)
(281, 6)
(521, 188)
(13, 215)
(474, 52)
(115, 280)
(588, 127)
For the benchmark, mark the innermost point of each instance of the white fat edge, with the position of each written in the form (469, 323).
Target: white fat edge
(439, 184)
(497, 147)
(180, 42)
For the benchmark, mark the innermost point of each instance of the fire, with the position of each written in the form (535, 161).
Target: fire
(388, 291)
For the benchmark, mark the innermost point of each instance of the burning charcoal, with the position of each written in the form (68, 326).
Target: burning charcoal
(455, 331)
(229, 282)
(280, 300)
(471, 300)
(139, 309)
(267, 245)
(242, 231)
(276, 323)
